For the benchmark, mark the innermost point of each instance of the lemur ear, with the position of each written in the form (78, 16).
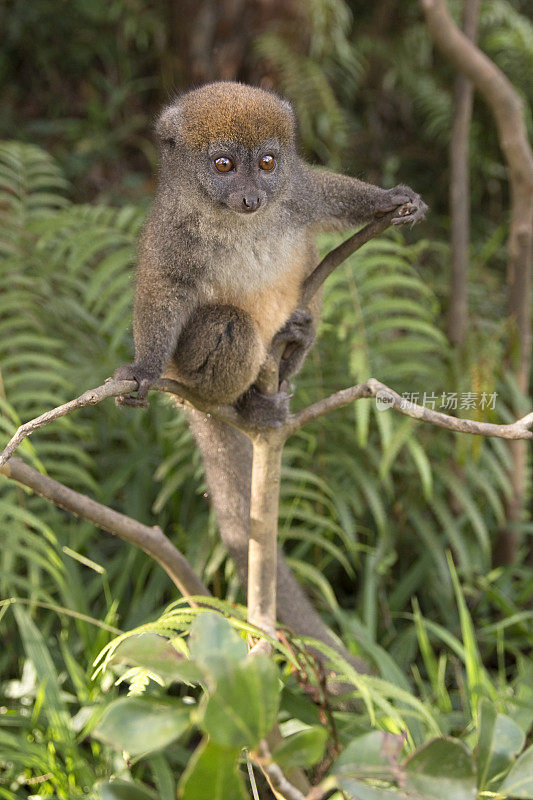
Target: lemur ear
(286, 106)
(168, 125)
(289, 109)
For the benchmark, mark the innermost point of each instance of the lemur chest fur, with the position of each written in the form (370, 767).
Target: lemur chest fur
(261, 277)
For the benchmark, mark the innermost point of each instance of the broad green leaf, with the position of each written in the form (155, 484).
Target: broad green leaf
(441, 769)
(373, 755)
(244, 706)
(141, 724)
(519, 781)
(212, 637)
(301, 749)
(124, 790)
(156, 653)
(500, 741)
(212, 774)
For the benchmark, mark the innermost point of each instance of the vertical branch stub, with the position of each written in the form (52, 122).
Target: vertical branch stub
(262, 552)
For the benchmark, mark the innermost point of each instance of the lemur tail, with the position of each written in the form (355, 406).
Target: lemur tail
(227, 458)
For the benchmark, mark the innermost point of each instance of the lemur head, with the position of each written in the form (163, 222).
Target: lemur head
(236, 142)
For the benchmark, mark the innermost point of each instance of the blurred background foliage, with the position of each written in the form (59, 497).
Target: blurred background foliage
(370, 501)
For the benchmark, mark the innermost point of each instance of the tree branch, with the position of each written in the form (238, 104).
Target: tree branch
(113, 388)
(152, 540)
(339, 254)
(370, 388)
(390, 398)
(459, 190)
(277, 780)
(499, 93)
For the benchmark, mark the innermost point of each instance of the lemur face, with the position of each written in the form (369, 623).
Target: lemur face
(241, 179)
(235, 142)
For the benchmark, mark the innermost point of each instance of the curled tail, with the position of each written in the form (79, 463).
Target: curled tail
(227, 458)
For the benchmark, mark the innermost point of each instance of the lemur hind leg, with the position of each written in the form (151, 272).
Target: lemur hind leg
(298, 334)
(295, 337)
(218, 353)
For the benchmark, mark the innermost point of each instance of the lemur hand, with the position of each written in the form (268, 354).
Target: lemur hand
(411, 207)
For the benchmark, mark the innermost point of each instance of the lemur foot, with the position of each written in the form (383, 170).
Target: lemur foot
(410, 206)
(299, 334)
(134, 372)
(264, 410)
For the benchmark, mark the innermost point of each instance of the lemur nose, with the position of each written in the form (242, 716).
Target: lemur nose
(251, 202)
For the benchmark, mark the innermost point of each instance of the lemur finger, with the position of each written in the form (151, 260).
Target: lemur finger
(411, 212)
(130, 400)
(394, 202)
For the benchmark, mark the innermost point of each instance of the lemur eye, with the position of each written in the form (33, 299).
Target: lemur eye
(267, 162)
(223, 164)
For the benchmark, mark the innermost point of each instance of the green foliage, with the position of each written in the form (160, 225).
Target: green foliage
(88, 69)
(239, 706)
(138, 725)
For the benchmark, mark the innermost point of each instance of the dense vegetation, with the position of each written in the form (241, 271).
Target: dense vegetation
(389, 525)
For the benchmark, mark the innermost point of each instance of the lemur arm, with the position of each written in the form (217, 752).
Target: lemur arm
(338, 201)
(164, 301)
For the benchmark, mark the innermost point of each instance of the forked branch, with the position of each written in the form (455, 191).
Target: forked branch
(520, 429)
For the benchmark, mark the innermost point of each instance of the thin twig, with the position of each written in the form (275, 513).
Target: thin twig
(152, 540)
(370, 388)
(89, 398)
(391, 399)
(274, 775)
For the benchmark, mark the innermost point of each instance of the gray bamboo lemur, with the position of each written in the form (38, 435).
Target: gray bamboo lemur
(228, 242)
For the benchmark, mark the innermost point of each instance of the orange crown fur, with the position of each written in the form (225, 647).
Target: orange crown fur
(235, 112)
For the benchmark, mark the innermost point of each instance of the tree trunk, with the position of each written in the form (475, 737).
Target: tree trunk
(460, 189)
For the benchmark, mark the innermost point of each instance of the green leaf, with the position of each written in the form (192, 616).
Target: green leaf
(37, 651)
(244, 706)
(373, 755)
(476, 675)
(519, 781)
(141, 724)
(156, 653)
(500, 741)
(441, 769)
(212, 774)
(124, 790)
(212, 637)
(301, 749)
(163, 777)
